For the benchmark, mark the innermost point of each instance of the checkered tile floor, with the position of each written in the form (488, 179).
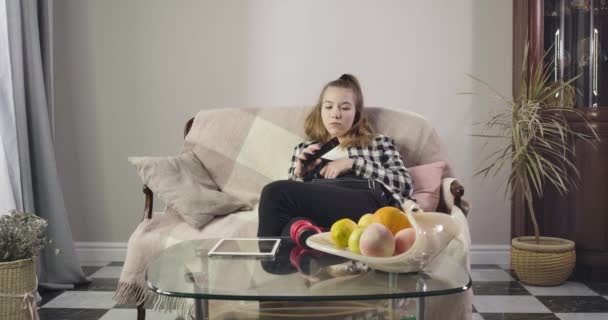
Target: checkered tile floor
(498, 295)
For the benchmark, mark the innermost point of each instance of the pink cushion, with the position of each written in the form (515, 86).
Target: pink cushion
(427, 184)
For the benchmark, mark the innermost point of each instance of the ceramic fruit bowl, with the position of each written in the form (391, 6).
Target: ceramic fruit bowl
(434, 231)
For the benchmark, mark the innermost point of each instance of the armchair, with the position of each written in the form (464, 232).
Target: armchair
(228, 143)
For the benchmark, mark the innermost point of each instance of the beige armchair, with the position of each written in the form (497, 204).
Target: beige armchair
(243, 150)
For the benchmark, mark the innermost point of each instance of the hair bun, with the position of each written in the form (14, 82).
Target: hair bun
(346, 77)
(349, 78)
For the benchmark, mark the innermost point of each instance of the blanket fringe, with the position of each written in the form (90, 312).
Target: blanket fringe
(183, 306)
(134, 293)
(130, 293)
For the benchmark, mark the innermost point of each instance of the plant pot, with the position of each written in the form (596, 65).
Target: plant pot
(548, 263)
(16, 278)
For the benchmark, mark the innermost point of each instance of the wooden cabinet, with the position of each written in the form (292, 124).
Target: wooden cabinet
(573, 35)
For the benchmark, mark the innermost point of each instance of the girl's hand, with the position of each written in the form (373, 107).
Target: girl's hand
(299, 171)
(336, 168)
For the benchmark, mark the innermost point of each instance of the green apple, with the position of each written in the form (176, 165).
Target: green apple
(353, 240)
(365, 220)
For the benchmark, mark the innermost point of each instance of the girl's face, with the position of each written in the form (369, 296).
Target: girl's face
(338, 110)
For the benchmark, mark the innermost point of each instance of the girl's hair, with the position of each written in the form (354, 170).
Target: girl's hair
(359, 135)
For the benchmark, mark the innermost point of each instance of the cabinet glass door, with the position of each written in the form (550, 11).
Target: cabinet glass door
(575, 42)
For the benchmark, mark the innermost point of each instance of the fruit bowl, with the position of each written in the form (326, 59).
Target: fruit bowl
(434, 231)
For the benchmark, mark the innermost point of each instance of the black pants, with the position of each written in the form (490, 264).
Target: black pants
(282, 201)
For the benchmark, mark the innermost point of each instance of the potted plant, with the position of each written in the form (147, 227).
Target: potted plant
(21, 238)
(536, 141)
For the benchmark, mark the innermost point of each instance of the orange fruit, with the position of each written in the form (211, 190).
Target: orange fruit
(392, 218)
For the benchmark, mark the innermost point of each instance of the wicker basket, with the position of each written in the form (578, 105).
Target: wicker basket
(549, 263)
(16, 278)
(326, 310)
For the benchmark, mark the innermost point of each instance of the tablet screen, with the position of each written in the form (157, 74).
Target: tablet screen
(245, 247)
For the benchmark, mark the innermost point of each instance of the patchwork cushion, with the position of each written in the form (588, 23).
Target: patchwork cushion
(183, 184)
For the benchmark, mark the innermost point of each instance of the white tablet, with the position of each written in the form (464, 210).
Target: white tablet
(243, 247)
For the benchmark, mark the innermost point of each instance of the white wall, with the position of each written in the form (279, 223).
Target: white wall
(128, 74)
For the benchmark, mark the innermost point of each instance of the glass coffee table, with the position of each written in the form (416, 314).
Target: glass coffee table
(185, 271)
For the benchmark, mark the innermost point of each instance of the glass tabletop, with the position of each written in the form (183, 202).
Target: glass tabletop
(293, 274)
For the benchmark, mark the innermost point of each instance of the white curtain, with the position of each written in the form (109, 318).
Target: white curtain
(26, 127)
(10, 183)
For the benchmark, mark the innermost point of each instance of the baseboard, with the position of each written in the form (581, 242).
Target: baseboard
(100, 251)
(117, 251)
(491, 254)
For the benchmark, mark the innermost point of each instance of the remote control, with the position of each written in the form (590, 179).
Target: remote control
(328, 146)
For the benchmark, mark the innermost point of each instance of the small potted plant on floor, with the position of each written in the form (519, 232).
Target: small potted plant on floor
(21, 239)
(536, 142)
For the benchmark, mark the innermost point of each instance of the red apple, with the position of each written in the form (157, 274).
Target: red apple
(404, 239)
(377, 241)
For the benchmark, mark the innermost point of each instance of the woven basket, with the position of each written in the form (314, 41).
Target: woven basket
(326, 310)
(549, 263)
(16, 277)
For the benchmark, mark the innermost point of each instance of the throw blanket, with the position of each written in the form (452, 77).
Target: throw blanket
(162, 231)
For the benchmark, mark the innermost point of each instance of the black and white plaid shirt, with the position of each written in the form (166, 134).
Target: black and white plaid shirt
(379, 161)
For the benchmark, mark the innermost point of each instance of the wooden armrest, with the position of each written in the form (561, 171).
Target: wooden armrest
(451, 195)
(149, 202)
(457, 190)
(188, 126)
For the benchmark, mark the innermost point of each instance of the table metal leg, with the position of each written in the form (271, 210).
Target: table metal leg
(421, 286)
(420, 309)
(201, 309)
(201, 306)
(392, 283)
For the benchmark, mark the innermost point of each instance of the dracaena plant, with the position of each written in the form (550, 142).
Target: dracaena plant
(536, 138)
(21, 236)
